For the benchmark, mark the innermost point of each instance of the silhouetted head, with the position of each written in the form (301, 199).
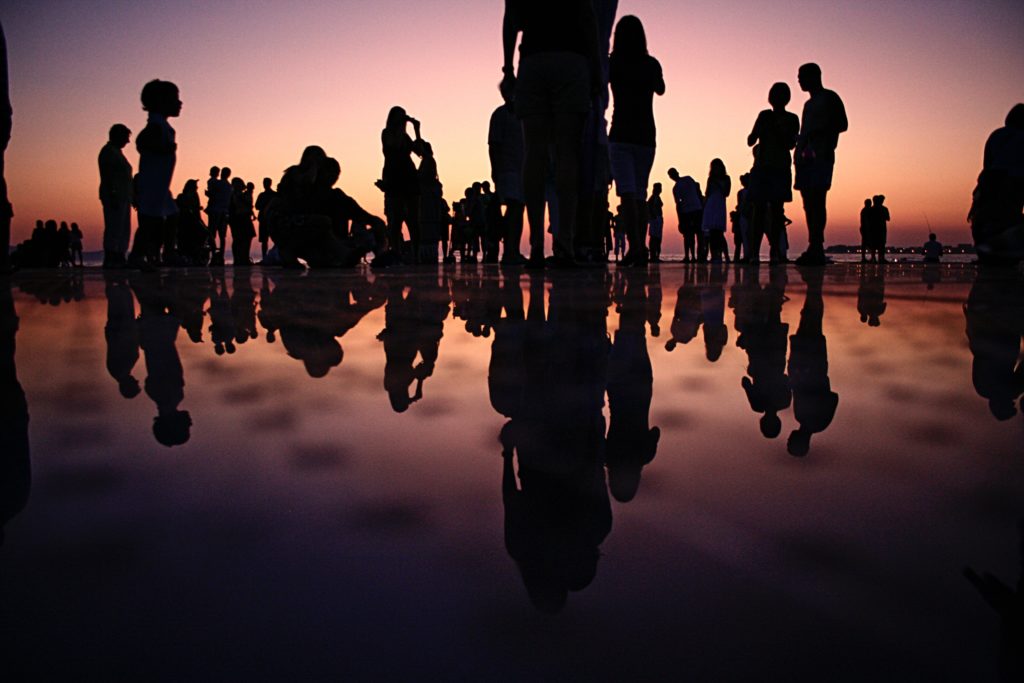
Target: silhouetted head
(745, 179)
(172, 429)
(39, 224)
(119, 134)
(397, 118)
(656, 189)
(225, 173)
(717, 168)
(51, 225)
(237, 184)
(630, 39)
(507, 88)
(330, 171)
(129, 387)
(931, 236)
(878, 199)
(626, 461)
(486, 186)
(867, 203)
(771, 425)
(673, 174)
(779, 95)
(799, 443)
(63, 226)
(1015, 119)
(214, 171)
(809, 77)
(161, 97)
(267, 182)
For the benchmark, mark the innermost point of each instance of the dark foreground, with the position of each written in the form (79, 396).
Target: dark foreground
(678, 474)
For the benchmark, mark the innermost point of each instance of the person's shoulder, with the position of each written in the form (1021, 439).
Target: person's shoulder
(653, 64)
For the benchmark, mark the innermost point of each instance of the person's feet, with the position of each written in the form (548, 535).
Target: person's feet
(515, 259)
(809, 258)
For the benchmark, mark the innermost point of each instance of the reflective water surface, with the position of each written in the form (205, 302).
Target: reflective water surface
(687, 473)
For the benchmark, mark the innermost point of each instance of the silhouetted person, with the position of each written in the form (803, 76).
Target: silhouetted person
(712, 310)
(689, 206)
(122, 334)
(157, 155)
(559, 73)
(932, 249)
(631, 442)
(77, 258)
(765, 338)
(656, 221)
(824, 118)
(431, 205)
(879, 229)
(243, 306)
(1008, 603)
(995, 323)
(240, 220)
(6, 212)
(771, 179)
(262, 202)
(193, 237)
(218, 211)
(871, 295)
(997, 212)
(165, 377)
(507, 151)
(64, 245)
(309, 215)
(814, 402)
(15, 470)
(865, 232)
(714, 220)
(635, 77)
(116, 196)
(399, 179)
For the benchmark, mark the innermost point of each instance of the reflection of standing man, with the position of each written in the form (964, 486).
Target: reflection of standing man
(116, 196)
(6, 213)
(824, 118)
(814, 402)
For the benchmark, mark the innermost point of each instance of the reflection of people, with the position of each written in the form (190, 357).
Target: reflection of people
(997, 213)
(814, 402)
(631, 442)
(165, 377)
(15, 475)
(116, 196)
(549, 378)
(871, 295)
(122, 335)
(824, 118)
(399, 179)
(995, 324)
(765, 338)
(414, 325)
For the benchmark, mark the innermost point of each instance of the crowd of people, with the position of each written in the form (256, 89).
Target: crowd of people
(553, 159)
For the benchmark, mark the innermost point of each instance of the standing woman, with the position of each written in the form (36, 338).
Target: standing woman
(635, 78)
(400, 180)
(713, 224)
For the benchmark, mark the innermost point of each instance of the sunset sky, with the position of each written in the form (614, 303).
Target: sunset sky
(924, 82)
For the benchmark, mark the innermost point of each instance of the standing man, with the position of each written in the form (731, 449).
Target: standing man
(6, 212)
(823, 120)
(262, 202)
(559, 73)
(505, 146)
(116, 196)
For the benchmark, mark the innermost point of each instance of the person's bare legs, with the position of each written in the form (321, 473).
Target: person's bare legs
(568, 141)
(537, 132)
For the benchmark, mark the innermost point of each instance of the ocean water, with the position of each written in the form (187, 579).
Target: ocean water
(683, 472)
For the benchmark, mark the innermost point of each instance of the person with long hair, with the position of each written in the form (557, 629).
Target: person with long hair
(400, 180)
(635, 78)
(714, 220)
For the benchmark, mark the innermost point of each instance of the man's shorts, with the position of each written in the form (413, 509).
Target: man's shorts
(551, 83)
